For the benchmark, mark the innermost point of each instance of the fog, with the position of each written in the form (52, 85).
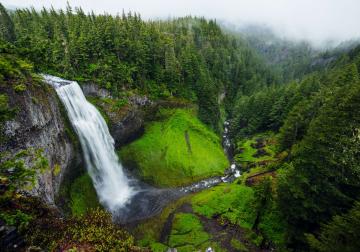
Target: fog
(318, 21)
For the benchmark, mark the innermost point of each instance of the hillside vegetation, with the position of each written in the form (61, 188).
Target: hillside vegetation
(175, 150)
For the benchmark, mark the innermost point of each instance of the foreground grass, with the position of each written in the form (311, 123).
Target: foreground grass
(177, 150)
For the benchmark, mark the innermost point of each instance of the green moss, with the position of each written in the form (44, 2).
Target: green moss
(246, 151)
(231, 201)
(20, 88)
(158, 247)
(177, 150)
(16, 218)
(254, 238)
(34, 100)
(236, 244)
(187, 233)
(149, 231)
(83, 195)
(57, 169)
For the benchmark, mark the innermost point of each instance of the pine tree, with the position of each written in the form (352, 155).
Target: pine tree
(7, 31)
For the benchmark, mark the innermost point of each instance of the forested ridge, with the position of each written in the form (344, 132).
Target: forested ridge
(187, 57)
(294, 127)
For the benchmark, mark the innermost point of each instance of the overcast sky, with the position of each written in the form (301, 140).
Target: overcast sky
(314, 20)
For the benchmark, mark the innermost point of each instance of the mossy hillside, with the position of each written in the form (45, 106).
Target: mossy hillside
(236, 203)
(176, 150)
(226, 203)
(256, 149)
(149, 231)
(231, 201)
(158, 247)
(188, 234)
(83, 196)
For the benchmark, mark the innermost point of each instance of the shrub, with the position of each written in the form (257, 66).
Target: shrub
(97, 231)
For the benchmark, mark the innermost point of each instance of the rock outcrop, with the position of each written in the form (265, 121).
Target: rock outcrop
(92, 89)
(41, 123)
(125, 123)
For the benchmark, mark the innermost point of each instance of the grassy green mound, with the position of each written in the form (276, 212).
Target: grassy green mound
(176, 150)
(257, 149)
(83, 195)
(236, 203)
(188, 234)
(223, 204)
(232, 201)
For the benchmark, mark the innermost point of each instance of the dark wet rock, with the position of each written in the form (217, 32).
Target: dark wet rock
(126, 123)
(166, 230)
(92, 89)
(10, 239)
(40, 123)
(127, 128)
(147, 203)
(140, 101)
(260, 143)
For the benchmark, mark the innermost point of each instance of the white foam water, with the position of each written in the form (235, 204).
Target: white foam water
(111, 184)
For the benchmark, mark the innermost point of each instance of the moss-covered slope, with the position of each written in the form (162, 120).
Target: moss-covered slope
(176, 150)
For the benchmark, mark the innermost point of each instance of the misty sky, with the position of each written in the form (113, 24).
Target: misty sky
(314, 20)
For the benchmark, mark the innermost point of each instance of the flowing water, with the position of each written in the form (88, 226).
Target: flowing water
(111, 183)
(229, 151)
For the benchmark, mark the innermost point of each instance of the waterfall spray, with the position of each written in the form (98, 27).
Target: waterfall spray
(104, 168)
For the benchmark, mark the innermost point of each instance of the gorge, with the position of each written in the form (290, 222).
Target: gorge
(181, 134)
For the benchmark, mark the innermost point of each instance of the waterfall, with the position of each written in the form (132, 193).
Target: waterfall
(104, 168)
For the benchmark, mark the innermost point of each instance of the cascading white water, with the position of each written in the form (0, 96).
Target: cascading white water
(105, 170)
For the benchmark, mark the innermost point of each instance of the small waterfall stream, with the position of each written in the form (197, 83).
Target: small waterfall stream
(229, 150)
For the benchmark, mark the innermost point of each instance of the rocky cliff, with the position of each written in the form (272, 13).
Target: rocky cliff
(125, 122)
(40, 122)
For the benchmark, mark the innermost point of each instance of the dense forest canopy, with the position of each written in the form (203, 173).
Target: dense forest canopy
(304, 102)
(187, 57)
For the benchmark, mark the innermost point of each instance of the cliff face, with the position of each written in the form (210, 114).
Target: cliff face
(126, 123)
(40, 123)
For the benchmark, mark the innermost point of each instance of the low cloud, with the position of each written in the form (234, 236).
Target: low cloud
(317, 21)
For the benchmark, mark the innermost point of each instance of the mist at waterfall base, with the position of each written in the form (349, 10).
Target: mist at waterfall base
(127, 198)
